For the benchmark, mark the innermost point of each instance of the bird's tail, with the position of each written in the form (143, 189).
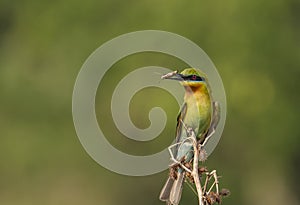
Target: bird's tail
(171, 192)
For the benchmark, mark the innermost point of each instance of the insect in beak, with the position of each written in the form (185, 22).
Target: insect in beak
(174, 75)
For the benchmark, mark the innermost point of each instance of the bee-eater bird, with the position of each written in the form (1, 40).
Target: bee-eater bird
(199, 113)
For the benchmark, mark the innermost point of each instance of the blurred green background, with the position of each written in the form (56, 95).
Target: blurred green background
(254, 44)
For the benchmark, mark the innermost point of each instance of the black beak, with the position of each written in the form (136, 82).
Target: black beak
(176, 77)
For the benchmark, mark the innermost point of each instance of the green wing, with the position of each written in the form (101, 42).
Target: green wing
(180, 118)
(216, 116)
(214, 121)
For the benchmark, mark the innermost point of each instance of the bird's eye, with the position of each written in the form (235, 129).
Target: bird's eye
(194, 77)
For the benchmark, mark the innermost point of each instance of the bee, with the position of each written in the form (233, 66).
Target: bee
(168, 75)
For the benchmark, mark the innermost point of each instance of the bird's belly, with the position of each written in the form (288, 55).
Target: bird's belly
(197, 119)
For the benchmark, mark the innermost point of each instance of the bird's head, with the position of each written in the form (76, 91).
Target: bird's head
(189, 77)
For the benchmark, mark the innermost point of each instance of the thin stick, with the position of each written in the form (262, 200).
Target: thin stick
(206, 182)
(214, 172)
(195, 173)
(212, 186)
(192, 188)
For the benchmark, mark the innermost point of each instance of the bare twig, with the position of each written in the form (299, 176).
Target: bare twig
(195, 172)
(205, 197)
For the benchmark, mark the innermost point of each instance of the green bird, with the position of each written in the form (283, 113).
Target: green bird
(199, 113)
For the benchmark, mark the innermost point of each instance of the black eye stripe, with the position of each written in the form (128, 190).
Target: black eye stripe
(192, 78)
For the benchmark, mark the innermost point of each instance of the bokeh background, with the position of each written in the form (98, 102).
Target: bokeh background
(254, 44)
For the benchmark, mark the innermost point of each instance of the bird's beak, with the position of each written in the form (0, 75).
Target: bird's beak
(173, 76)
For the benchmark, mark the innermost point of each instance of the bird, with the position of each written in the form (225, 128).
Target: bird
(201, 114)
